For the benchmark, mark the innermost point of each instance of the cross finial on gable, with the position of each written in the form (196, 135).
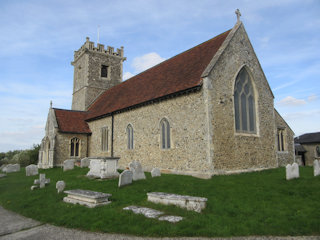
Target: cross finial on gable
(51, 104)
(237, 12)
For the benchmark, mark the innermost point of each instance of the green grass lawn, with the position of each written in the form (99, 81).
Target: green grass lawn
(260, 203)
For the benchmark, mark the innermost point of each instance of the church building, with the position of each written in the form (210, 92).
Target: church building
(208, 110)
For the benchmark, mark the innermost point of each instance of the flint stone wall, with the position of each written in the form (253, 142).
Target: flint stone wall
(62, 151)
(287, 156)
(311, 154)
(232, 150)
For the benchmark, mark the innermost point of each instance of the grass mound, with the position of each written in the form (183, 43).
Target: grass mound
(260, 203)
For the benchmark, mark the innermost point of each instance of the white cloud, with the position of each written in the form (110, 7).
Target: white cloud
(127, 75)
(291, 101)
(146, 61)
(312, 98)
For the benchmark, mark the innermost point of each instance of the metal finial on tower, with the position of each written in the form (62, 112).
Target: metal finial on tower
(51, 104)
(237, 12)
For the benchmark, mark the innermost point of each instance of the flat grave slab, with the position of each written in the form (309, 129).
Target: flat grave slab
(87, 198)
(184, 201)
(152, 213)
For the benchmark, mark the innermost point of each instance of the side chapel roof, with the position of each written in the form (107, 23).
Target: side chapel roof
(179, 73)
(308, 138)
(70, 121)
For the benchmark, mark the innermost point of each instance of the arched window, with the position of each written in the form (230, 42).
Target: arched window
(74, 147)
(130, 136)
(104, 139)
(244, 103)
(165, 134)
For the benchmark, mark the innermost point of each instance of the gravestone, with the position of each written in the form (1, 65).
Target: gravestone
(136, 169)
(105, 167)
(32, 170)
(11, 168)
(2, 175)
(125, 178)
(42, 180)
(316, 168)
(184, 201)
(292, 171)
(60, 185)
(87, 198)
(68, 165)
(85, 162)
(155, 172)
(2, 167)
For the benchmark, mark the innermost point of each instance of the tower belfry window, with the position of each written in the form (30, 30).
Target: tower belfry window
(104, 71)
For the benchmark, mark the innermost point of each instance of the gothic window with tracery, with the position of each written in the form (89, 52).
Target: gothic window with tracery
(130, 136)
(74, 147)
(165, 134)
(244, 103)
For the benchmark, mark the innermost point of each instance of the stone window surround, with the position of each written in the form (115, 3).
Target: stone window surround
(108, 71)
(281, 140)
(256, 97)
(78, 141)
(166, 145)
(104, 139)
(130, 137)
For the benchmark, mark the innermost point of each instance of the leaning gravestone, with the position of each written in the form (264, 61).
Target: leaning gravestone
(125, 178)
(60, 185)
(136, 169)
(292, 171)
(68, 165)
(32, 170)
(155, 172)
(12, 168)
(85, 162)
(316, 168)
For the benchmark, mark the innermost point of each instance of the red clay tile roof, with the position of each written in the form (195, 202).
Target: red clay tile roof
(70, 121)
(176, 74)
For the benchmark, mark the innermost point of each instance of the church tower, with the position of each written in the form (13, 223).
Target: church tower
(95, 70)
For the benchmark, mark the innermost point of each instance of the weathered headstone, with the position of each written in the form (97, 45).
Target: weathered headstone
(11, 168)
(125, 178)
(60, 185)
(292, 171)
(2, 167)
(136, 169)
(42, 180)
(68, 165)
(2, 175)
(85, 162)
(32, 170)
(103, 167)
(316, 168)
(155, 172)
(86, 197)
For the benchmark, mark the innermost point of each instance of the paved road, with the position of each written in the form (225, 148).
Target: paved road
(16, 227)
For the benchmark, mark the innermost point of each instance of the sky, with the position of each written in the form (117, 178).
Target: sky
(38, 39)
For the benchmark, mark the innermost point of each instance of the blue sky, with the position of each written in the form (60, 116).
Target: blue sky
(38, 39)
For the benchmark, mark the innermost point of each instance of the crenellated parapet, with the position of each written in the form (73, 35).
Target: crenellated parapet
(88, 45)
